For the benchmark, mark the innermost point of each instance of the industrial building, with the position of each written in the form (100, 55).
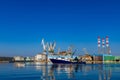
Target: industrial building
(40, 57)
(104, 51)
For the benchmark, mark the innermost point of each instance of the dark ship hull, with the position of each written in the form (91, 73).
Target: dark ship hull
(56, 61)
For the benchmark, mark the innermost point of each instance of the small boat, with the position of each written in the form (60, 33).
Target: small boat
(60, 61)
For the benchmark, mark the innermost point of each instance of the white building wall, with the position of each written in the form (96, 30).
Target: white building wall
(40, 57)
(19, 58)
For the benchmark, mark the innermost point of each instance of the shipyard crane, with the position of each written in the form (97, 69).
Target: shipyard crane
(44, 46)
(58, 50)
(73, 53)
(70, 49)
(51, 47)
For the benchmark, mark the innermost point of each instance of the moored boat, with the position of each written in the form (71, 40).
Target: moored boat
(60, 61)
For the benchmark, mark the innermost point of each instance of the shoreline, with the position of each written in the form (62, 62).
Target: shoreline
(87, 62)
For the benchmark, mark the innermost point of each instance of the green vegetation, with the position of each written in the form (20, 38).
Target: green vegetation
(6, 58)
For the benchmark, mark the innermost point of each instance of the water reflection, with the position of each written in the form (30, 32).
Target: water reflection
(72, 72)
(75, 72)
(19, 65)
(31, 71)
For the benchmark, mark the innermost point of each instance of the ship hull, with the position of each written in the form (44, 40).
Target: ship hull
(56, 61)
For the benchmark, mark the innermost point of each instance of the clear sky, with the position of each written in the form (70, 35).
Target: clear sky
(23, 23)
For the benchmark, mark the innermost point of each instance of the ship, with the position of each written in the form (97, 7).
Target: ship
(67, 59)
(60, 61)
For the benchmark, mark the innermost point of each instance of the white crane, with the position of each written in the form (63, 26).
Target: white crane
(44, 46)
(51, 47)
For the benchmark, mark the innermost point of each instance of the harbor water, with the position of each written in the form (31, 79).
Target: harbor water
(39, 71)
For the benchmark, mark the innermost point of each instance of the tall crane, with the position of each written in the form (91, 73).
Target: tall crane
(44, 46)
(51, 47)
(73, 53)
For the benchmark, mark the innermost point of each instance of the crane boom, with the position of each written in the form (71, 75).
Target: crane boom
(73, 53)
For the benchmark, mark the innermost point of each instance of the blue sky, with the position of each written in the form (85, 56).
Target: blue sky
(23, 23)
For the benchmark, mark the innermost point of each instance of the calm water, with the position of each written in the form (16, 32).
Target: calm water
(11, 71)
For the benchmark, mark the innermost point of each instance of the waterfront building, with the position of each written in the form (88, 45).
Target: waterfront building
(19, 58)
(29, 59)
(87, 58)
(40, 57)
(109, 58)
(117, 58)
